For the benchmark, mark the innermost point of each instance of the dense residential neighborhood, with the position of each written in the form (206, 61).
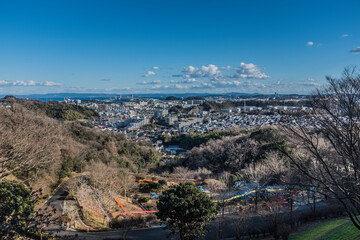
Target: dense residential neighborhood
(147, 119)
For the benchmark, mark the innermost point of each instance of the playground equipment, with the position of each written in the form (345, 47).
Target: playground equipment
(202, 188)
(269, 189)
(129, 212)
(118, 202)
(154, 195)
(167, 180)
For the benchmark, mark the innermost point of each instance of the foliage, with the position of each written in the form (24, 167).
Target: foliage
(188, 141)
(162, 182)
(54, 109)
(194, 98)
(171, 98)
(237, 152)
(68, 112)
(147, 187)
(42, 150)
(16, 207)
(28, 142)
(187, 210)
(107, 147)
(144, 199)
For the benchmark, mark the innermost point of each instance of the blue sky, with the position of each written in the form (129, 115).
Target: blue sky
(163, 46)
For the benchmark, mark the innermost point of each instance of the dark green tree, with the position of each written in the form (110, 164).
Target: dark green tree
(16, 207)
(186, 210)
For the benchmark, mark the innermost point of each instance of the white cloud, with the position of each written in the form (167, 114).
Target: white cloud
(356, 50)
(189, 80)
(248, 86)
(149, 82)
(211, 71)
(248, 71)
(169, 87)
(345, 35)
(155, 68)
(28, 83)
(149, 73)
(178, 86)
(202, 86)
(211, 77)
(238, 84)
(4, 82)
(158, 86)
(309, 44)
(310, 82)
(47, 83)
(24, 83)
(117, 89)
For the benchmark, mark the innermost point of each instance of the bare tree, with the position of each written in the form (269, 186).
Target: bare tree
(271, 169)
(102, 176)
(27, 141)
(127, 183)
(180, 173)
(241, 226)
(326, 150)
(215, 185)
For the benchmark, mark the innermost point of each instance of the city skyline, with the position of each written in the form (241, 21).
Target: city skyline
(175, 46)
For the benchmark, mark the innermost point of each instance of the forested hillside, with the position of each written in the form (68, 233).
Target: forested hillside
(258, 154)
(191, 140)
(40, 150)
(53, 109)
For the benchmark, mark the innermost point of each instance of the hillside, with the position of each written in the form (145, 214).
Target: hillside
(191, 140)
(40, 150)
(253, 156)
(53, 109)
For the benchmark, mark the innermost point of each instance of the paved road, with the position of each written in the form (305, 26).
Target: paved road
(155, 233)
(158, 233)
(151, 233)
(57, 200)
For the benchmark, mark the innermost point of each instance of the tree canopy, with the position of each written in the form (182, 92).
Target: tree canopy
(16, 207)
(187, 210)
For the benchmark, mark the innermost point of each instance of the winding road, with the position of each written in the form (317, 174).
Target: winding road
(156, 232)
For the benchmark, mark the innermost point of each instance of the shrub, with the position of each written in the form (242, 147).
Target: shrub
(150, 187)
(144, 199)
(162, 182)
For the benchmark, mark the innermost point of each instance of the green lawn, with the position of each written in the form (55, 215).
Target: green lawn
(339, 229)
(347, 232)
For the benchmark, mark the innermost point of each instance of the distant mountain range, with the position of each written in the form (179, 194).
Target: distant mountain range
(103, 96)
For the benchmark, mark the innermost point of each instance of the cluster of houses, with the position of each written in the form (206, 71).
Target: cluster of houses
(149, 119)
